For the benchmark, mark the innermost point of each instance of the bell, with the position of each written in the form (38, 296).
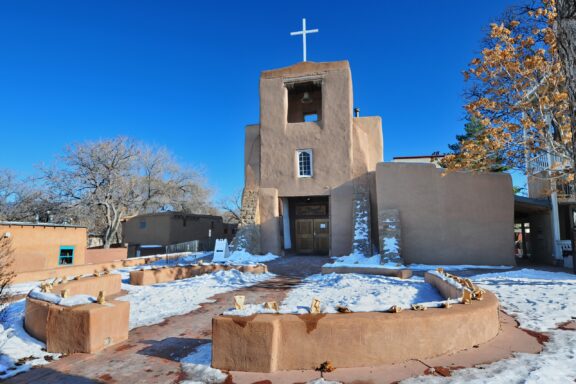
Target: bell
(306, 99)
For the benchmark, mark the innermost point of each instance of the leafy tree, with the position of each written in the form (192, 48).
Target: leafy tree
(518, 95)
(473, 129)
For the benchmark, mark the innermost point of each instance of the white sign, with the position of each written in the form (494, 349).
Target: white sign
(221, 251)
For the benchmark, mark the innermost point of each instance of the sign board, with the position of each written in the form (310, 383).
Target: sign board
(221, 251)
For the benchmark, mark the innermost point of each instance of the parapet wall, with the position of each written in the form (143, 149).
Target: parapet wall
(162, 275)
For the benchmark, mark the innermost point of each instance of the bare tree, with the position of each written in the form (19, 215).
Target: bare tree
(109, 180)
(24, 201)
(6, 272)
(231, 207)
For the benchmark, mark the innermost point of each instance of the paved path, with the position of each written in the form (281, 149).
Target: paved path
(151, 354)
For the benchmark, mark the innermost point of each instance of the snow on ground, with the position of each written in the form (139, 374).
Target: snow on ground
(359, 293)
(243, 257)
(539, 300)
(151, 304)
(16, 344)
(196, 367)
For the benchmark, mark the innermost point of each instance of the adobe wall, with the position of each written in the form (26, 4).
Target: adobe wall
(162, 275)
(67, 271)
(330, 139)
(449, 217)
(111, 284)
(400, 273)
(156, 230)
(104, 255)
(275, 342)
(368, 148)
(38, 246)
(81, 329)
(270, 234)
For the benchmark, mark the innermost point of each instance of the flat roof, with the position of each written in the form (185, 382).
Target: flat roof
(418, 157)
(33, 224)
(527, 205)
(305, 68)
(171, 213)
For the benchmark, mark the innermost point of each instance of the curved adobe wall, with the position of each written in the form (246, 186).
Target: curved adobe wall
(275, 342)
(162, 275)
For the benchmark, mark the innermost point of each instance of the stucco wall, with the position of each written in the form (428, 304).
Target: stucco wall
(368, 144)
(103, 255)
(276, 342)
(449, 217)
(38, 247)
(330, 139)
(270, 234)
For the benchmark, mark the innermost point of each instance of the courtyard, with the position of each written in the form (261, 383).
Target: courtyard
(171, 327)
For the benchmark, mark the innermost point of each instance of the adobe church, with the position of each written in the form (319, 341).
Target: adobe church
(316, 184)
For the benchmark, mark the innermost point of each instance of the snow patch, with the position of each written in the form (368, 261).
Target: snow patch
(196, 367)
(151, 304)
(243, 257)
(16, 344)
(539, 300)
(359, 293)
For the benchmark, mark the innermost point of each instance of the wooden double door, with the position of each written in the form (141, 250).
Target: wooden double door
(312, 236)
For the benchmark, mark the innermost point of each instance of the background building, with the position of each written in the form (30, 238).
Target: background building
(155, 233)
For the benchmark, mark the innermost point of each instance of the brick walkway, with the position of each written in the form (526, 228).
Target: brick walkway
(151, 354)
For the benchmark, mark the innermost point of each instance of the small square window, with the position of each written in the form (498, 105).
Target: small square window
(304, 159)
(311, 117)
(66, 256)
(142, 224)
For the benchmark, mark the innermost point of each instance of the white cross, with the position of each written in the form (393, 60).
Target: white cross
(303, 32)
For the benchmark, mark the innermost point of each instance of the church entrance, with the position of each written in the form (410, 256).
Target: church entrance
(310, 225)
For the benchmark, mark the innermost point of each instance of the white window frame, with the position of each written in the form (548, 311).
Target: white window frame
(298, 170)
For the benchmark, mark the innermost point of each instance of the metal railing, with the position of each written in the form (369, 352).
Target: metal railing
(547, 162)
(191, 246)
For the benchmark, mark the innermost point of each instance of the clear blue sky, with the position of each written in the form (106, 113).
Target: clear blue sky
(184, 74)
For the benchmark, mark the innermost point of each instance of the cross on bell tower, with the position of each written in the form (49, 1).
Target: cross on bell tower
(303, 32)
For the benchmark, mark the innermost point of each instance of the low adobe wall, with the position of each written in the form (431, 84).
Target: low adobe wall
(104, 255)
(275, 342)
(449, 291)
(162, 275)
(400, 273)
(75, 270)
(111, 284)
(85, 328)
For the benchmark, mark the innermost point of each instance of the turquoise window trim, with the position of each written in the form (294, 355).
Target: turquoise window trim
(63, 259)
